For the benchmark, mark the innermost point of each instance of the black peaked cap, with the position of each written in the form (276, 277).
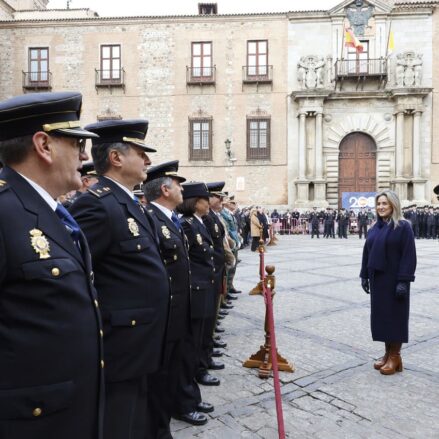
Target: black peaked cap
(55, 113)
(131, 131)
(167, 169)
(195, 190)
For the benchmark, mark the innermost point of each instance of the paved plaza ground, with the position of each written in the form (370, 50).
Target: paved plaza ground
(322, 321)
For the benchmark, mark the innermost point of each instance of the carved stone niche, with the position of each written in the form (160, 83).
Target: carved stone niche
(311, 72)
(408, 69)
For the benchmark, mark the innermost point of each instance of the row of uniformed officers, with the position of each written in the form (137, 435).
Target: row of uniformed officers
(107, 309)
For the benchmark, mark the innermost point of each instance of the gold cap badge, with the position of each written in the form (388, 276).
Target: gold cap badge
(133, 226)
(40, 243)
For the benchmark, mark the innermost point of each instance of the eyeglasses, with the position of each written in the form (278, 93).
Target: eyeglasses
(81, 145)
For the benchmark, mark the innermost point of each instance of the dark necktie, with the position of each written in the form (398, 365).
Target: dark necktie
(175, 220)
(139, 204)
(70, 224)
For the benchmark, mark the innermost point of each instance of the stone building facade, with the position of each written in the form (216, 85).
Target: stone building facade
(274, 104)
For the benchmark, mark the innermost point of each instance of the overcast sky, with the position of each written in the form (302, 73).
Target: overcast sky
(189, 7)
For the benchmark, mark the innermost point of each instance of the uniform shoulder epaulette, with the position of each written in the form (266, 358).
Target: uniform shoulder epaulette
(99, 191)
(4, 185)
(189, 219)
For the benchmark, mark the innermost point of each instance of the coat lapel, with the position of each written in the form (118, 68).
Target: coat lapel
(47, 221)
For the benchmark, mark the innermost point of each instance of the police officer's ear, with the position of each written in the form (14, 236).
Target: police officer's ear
(115, 158)
(43, 147)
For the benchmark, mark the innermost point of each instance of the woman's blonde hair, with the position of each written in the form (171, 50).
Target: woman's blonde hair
(393, 200)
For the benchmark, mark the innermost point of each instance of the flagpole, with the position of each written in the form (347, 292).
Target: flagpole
(388, 40)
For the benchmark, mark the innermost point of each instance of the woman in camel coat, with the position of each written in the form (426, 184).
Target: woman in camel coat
(255, 228)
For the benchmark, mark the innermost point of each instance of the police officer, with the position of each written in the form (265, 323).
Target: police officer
(201, 254)
(362, 223)
(215, 225)
(51, 377)
(343, 223)
(88, 179)
(164, 192)
(130, 277)
(315, 221)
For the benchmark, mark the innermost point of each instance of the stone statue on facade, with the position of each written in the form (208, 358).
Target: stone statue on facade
(358, 14)
(408, 70)
(311, 72)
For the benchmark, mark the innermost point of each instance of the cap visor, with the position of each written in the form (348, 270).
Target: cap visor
(143, 146)
(75, 132)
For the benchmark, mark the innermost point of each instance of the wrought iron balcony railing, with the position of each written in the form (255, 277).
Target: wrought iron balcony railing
(361, 68)
(110, 78)
(260, 74)
(37, 80)
(200, 75)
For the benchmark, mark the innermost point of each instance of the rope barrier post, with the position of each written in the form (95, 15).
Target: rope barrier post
(268, 359)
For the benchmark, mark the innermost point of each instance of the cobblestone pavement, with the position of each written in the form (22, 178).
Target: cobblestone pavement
(322, 321)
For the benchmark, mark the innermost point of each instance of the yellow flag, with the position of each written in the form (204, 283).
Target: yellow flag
(391, 46)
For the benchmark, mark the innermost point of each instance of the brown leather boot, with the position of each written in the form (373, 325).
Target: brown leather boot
(382, 361)
(394, 361)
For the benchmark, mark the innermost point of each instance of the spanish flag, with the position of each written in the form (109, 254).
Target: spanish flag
(352, 41)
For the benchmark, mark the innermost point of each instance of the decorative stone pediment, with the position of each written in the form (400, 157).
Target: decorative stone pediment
(378, 6)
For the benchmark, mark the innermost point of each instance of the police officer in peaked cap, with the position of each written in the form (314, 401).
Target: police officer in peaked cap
(51, 376)
(130, 277)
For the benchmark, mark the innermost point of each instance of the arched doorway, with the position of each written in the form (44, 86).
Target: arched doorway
(357, 164)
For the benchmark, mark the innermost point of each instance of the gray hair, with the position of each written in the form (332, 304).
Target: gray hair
(100, 154)
(393, 200)
(13, 151)
(153, 189)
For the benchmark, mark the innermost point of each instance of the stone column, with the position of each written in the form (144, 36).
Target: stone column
(416, 144)
(302, 146)
(399, 152)
(319, 146)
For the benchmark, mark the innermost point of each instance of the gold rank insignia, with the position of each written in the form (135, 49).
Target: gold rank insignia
(199, 239)
(216, 228)
(165, 232)
(40, 243)
(2, 182)
(133, 226)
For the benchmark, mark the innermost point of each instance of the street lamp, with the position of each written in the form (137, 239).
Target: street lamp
(228, 150)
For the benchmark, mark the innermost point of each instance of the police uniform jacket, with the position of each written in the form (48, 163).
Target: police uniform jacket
(218, 233)
(362, 218)
(51, 348)
(343, 219)
(130, 278)
(173, 247)
(201, 255)
(314, 218)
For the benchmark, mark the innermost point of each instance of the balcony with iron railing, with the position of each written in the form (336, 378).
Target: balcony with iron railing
(361, 70)
(37, 80)
(259, 74)
(110, 78)
(200, 75)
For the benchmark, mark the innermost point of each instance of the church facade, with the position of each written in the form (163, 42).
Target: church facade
(284, 107)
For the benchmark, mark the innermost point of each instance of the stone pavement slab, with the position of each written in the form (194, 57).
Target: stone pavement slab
(322, 324)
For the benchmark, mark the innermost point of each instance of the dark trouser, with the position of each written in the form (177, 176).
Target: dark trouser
(431, 232)
(315, 230)
(255, 243)
(363, 229)
(126, 409)
(343, 231)
(163, 390)
(188, 393)
(416, 230)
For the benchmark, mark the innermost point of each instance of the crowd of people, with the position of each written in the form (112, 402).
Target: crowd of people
(112, 296)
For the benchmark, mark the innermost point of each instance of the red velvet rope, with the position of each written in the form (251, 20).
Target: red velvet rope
(269, 305)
